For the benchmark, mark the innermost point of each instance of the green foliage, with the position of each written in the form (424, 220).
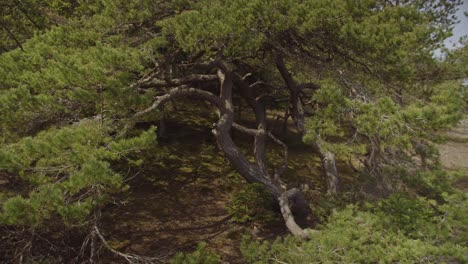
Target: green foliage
(356, 236)
(200, 256)
(453, 219)
(330, 203)
(443, 109)
(435, 184)
(455, 64)
(253, 203)
(389, 36)
(20, 20)
(65, 62)
(407, 214)
(67, 71)
(66, 172)
(383, 122)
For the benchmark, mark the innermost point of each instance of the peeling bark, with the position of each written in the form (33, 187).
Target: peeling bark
(329, 167)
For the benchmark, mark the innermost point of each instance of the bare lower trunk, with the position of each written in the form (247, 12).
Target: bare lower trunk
(329, 164)
(328, 161)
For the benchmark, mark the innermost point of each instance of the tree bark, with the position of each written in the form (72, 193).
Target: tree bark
(297, 113)
(260, 173)
(12, 36)
(291, 202)
(157, 83)
(327, 159)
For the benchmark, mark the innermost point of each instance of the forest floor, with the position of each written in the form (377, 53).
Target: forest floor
(181, 198)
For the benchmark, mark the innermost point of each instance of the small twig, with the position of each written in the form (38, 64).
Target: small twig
(130, 258)
(278, 261)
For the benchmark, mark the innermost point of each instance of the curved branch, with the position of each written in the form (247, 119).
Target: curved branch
(329, 166)
(312, 86)
(252, 172)
(12, 36)
(182, 91)
(288, 216)
(157, 83)
(130, 258)
(258, 108)
(246, 130)
(297, 112)
(255, 132)
(260, 83)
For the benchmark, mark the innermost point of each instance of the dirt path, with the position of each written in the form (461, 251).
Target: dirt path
(454, 152)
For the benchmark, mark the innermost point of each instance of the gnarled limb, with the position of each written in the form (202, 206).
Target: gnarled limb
(301, 207)
(292, 202)
(297, 113)
(182, 91)
(284, 166)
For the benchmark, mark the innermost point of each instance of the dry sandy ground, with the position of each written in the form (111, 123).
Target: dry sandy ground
(454, 152)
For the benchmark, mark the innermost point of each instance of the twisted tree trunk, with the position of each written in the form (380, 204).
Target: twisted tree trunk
(292, 202)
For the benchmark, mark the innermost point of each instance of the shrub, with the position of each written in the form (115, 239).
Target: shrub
(200, 256)
(66, 173)
(410, 215)
(329, 203)
(353, 235)
(252, 203)
(431, 183)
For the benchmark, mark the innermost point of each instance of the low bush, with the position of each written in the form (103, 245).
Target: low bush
(201, 255)
(400, 229)
(252, 203)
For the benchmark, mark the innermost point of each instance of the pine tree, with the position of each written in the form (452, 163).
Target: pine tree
(356, 77)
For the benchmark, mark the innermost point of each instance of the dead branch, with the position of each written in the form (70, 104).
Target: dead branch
(157, 83)
(130, 258)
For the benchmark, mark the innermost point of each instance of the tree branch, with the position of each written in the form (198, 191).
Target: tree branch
(182, 91)
(12, 36)
(157, 83)
(130, 258)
